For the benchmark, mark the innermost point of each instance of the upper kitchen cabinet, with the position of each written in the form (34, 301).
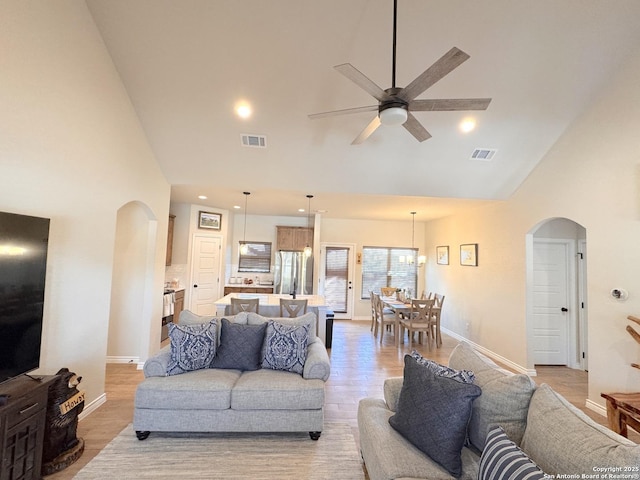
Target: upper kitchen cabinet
(170, 239)
(294, 238)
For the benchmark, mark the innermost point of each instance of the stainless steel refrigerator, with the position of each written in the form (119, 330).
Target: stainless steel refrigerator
(293, 272)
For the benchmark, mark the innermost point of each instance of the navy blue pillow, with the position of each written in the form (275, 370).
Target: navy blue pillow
(433, 413)
(240, 346)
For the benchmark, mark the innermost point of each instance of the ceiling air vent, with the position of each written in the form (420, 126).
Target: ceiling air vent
(258, 141)
(484, 154)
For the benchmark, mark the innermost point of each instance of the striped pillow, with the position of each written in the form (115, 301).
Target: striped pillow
(503, 460)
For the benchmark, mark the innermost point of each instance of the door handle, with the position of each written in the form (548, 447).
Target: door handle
(195, 286)
(564, 309)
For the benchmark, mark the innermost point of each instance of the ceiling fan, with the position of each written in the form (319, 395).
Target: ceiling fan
(396, 104)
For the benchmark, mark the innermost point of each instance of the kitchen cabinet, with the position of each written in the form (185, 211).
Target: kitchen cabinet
(178, 305)
(294, 238)
(170, 239)
(228, 290)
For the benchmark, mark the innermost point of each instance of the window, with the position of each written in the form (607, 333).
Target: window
(257, 258)
(336, 289)
(381, 267)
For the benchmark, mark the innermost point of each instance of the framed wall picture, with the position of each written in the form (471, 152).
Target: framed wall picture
(469, 254)
(442, 255)
(209, 220)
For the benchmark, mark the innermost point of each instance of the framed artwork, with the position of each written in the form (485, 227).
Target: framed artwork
(209, 220)
(469, 254)
(442, 255)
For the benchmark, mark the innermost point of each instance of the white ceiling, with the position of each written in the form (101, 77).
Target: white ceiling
(185, 63)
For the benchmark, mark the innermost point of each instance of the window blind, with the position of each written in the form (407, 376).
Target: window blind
(381, 267)
(257, 258)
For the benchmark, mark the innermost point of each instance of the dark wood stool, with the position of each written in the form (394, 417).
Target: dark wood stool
(623, 409)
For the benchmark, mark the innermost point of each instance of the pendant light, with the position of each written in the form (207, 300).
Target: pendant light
(307, 250)
(413, 234)
(244, 249)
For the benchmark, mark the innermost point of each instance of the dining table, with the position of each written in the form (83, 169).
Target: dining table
(400, 308)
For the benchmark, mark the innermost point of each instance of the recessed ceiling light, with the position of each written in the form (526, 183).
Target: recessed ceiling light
(202, 197)
(243, 109)
(467, 125)
(237, 207)
(301, 210)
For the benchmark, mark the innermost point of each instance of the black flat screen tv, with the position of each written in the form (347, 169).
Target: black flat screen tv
(23, 262)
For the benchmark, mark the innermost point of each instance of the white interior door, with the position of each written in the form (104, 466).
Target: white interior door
(551, 303)
(205, 274)
(336, 278)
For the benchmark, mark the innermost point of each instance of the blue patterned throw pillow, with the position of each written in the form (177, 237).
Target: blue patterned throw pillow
(503, 460)
(463, 376)
(285, 347)
(192, 347)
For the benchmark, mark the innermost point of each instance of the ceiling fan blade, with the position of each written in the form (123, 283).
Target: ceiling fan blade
(366, 133)
(449, 104)
(415, 128)
(360, 79)
(435, 72)
(346, 111)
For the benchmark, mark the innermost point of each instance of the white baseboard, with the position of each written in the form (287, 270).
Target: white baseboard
(93, 406)
(491, 354)
(594, 407)
(113, 359)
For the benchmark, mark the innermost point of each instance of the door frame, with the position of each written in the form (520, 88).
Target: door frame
(350, 280)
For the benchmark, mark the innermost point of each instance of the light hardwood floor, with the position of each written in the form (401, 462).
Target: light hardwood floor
(359, 366)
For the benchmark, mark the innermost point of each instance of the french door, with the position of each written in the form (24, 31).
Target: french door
(336, 282)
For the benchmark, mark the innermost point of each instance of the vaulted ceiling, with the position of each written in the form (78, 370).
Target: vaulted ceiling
(186, 63)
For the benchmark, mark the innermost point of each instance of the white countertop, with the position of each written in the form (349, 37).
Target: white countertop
(247, 285)
(271, 299)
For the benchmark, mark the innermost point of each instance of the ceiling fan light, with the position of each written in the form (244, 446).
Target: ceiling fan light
(393, 116)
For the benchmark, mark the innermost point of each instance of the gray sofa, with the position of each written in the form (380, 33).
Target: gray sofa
(227, 400)
(557, 436)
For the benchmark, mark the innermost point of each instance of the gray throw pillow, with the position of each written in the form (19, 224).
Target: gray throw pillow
(503, 460)
(285, 347)
(240, 346)
(464, 376)
(193, 347)
(433, 413)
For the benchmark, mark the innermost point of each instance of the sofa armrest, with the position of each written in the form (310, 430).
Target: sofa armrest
(156, 366)
(317, 364)
(392, 387)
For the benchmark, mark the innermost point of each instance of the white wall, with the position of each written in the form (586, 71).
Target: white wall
(72, 149)
(590, 176)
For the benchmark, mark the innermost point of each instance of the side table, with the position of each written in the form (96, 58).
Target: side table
(623, 409)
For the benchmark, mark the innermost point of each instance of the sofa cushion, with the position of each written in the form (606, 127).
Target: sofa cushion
(240, 346)
(192, 346)
(388, 455)
(276, 390)
(433, 414)
(285, 347)
(503, 460)
(464, 376)
(561, 438)
(308, 318)
(187, 317)
(505, 396)
(206, 389)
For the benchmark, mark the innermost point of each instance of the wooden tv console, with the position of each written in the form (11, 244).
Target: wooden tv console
(23, 412)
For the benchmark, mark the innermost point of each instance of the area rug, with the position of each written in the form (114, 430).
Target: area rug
(229, 456)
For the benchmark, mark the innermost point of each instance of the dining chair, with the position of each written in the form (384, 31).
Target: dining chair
(373, 309)
(385, 318)
(436, 314)
(293, 308)
(388, 291)
(419, 320)
(244, 305)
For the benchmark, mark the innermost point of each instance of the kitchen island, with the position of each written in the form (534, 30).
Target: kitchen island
(269, 306)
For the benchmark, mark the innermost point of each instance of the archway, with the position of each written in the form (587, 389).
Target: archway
(130, 314)
(556, 294)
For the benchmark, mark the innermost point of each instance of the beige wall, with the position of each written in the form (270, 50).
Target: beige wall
(72, 150)
(589, 176)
